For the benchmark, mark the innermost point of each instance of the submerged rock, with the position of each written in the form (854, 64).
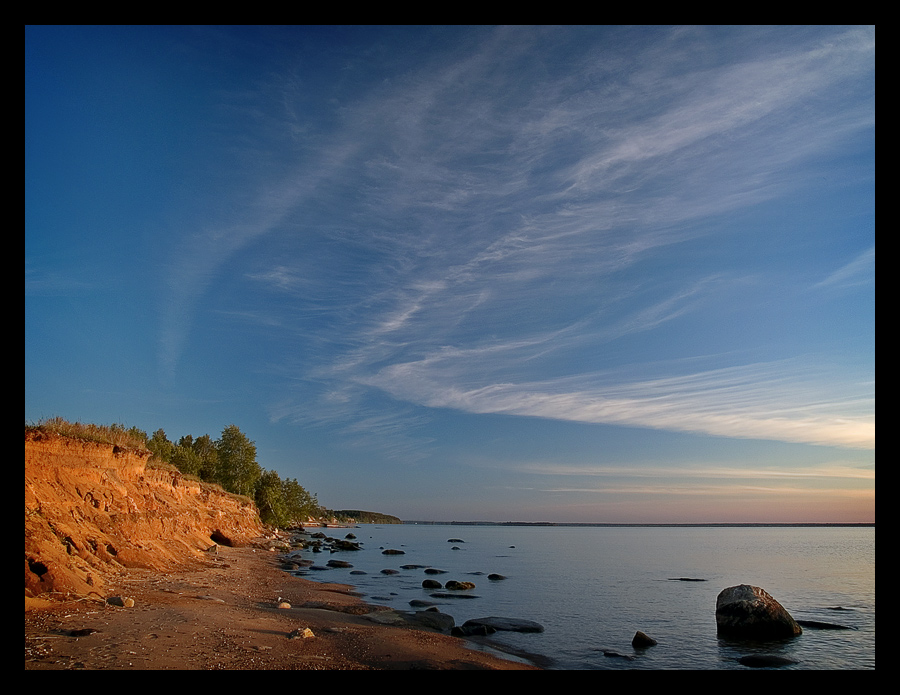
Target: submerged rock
(748, 612)
(508, 624)
(444, 594)
(818, 625)
(338, 563)
(765, 660)
(615, 655)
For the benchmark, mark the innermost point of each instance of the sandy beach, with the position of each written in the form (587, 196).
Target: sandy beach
(225, 615)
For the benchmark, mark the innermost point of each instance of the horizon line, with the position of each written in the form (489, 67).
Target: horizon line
(638, 523)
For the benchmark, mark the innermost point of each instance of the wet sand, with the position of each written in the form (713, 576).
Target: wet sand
(225, 616)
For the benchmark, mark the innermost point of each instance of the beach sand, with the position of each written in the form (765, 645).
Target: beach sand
(225, 616)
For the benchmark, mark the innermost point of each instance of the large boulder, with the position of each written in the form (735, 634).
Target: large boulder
(748, 612)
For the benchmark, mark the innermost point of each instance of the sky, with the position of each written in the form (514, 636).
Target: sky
(566, 274)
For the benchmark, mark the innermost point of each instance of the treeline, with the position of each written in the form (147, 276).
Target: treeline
(229, 461)
(362, 517)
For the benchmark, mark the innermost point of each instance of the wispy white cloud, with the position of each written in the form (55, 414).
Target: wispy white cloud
(772, 401)
(477, 214)
(859, 271)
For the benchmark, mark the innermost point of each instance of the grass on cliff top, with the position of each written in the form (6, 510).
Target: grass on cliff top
(118, 435)
(114, 434)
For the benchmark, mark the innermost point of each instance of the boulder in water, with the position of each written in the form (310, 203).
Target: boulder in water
(641, 640)
(748, 612)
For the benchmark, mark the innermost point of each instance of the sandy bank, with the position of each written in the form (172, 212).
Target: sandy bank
(225, 616)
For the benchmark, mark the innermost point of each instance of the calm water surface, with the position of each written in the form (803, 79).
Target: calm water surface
(593, 587)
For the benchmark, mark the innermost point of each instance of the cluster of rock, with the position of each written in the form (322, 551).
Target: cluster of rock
(743, 612)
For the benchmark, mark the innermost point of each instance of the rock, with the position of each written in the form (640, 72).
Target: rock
(120, 601)
(455, 540)
(507, 624)
(419, 603)
(433, 619)
(817, 625)
(472, 631)
(301, 633)
(81, 632)
(351, 536)
(748, 612)
(390, 571)
(391, 551)
(283, 604)
(642, 640)
(764, 660)
(446, 595)
(685, 579)
(459, 586)
(346, 545)
(432, 570)
(338, 563)
(615, 655)
(495, 577)
(431, 584)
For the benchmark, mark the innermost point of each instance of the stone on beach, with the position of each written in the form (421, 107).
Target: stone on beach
(301, 633)
(120, 601)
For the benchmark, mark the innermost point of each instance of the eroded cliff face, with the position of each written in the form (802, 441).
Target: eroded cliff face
(94, 510)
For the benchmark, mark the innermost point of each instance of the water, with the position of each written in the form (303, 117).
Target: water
(593, 587)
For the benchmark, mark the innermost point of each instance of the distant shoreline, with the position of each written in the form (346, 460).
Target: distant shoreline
(588, 524)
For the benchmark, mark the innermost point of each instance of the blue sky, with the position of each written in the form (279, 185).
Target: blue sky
(601, 274)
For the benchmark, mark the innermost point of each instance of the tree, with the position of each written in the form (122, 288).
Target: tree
(160, 446)
(205, 448)
(237, 470)
(269, 497)
(299, 504)
(185, 459)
